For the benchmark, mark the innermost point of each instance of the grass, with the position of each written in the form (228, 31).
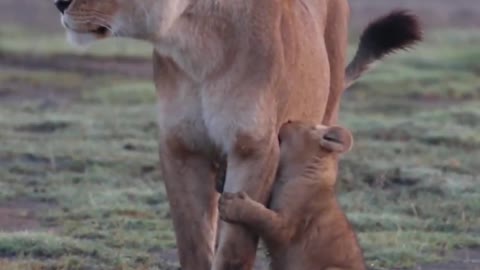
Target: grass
(18, 39)
(410, 186)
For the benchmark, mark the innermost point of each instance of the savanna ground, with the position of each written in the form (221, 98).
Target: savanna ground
(79, 187)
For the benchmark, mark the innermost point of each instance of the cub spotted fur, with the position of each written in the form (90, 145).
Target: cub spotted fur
(305, 228)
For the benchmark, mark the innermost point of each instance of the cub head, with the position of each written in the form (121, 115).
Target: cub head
(86, 21)
(311, 150)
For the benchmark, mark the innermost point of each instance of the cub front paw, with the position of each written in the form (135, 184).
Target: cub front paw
(231, 206)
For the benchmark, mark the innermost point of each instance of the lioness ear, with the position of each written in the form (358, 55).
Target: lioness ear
(337, 139)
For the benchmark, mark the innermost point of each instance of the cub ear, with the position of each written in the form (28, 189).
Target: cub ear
(337, 139)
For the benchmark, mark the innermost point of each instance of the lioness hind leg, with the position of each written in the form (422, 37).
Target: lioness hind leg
(240, 208)
(336, 42)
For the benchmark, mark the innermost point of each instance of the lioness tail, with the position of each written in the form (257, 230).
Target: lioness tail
(395, 31)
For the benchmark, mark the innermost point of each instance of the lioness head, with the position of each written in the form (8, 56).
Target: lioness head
(311, 150)
(88, 20)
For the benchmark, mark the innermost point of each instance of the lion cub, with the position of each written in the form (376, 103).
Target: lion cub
(305, 228)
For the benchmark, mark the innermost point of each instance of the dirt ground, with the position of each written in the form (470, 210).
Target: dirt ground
(42, 17)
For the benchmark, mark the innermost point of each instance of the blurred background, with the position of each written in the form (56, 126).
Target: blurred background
(79, 187)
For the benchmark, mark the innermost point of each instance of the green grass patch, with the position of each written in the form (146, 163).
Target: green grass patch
(20, 40)
(43, 245)
(126, 93)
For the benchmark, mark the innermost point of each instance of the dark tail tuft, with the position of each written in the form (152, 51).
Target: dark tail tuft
(398, 30)
(395, 31)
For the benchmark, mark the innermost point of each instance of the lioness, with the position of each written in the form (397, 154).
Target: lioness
(305, 228)
(228, 74)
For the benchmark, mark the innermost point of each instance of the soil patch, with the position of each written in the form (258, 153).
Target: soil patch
(84, 64)
(44, 127)
(32, 163)
(169, 257)
(21, 215)
(51, 95)
(15, 92)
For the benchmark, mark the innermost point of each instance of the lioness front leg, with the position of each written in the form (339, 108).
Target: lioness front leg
(189, 181)
(240, 208)
(252, 170)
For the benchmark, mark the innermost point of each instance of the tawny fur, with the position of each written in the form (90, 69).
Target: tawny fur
(228, 74)
(305, 228)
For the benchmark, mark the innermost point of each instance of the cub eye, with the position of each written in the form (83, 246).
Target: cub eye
(332, 139)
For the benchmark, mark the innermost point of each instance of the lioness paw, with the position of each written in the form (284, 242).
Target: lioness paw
(231, 206)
